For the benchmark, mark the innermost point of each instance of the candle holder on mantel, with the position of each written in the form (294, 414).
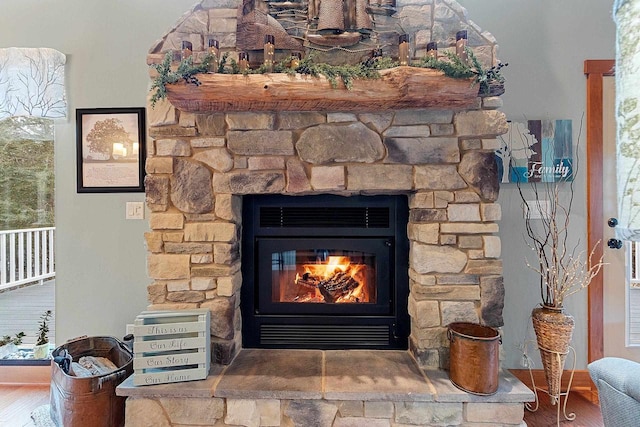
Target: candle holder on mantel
(214, 51)
(403, 49)
(432, 50)
(243, 61)
(296, 57)
(187, 50)
(461, 45)
(269, 52)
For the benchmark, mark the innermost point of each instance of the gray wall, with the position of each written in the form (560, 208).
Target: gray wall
(545, 43)
(101, 273)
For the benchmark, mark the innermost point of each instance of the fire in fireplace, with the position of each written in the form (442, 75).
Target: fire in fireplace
(323, 276)
(325, 272)
(331, 279)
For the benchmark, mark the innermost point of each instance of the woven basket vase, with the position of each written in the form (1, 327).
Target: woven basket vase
(553, 330)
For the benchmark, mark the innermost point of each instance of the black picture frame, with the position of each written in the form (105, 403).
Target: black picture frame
(111, 150)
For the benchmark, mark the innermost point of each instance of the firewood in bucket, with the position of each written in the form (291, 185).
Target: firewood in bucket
(97, 365)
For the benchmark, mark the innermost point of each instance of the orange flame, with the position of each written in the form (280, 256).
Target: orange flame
(334, 263)
(330, 268)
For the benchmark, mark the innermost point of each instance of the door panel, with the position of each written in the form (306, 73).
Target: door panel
(615, 281)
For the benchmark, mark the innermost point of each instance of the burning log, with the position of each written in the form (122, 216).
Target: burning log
(337, 286)
(308, 281)
(332, 288)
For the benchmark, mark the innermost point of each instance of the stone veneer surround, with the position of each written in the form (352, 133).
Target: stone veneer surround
(199, 168)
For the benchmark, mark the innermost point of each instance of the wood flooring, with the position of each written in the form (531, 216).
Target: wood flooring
(582, 403)
(17, 402)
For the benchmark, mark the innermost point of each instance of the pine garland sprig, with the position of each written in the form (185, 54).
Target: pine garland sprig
(485, 77)
(186, 71)
(346, 73)
(165, 76)
(223, 62)
(455, 67)
(282, 66)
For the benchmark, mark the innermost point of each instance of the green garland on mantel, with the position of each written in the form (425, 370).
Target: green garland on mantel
(453, 67)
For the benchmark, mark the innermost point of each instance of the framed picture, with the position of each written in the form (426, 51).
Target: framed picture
(110, 145)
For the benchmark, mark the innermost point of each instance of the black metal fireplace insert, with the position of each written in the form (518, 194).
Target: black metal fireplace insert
(325, 272)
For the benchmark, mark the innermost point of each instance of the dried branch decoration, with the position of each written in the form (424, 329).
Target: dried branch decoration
(563, 269)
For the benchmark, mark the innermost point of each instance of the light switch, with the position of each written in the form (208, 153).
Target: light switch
(539, 209)
(135, 210)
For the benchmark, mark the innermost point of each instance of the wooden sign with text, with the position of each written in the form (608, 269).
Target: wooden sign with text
(171, 346)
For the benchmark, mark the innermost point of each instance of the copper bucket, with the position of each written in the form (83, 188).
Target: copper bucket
(474, 357)
(90, 401)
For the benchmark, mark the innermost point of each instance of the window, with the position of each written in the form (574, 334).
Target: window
(27, 226)
(32, 93)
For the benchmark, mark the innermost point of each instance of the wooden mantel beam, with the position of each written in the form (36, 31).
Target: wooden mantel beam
(400, 87)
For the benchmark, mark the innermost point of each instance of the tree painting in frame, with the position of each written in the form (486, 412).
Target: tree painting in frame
(111, 150)
(536, 151)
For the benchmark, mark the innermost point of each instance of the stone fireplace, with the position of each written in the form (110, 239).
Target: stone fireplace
(201, 167)
(207, 156)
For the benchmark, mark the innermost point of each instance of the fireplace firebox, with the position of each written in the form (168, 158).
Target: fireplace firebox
(325, 272)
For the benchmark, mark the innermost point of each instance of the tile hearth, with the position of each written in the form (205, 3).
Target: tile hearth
(323, 388)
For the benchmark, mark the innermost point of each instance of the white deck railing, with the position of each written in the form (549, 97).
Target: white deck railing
(26, 256)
